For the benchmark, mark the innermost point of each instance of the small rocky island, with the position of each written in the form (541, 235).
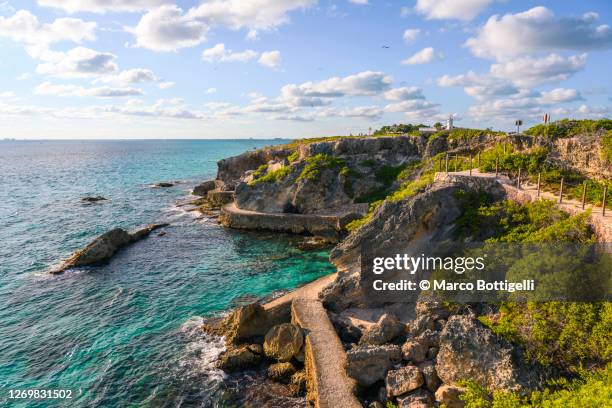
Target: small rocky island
(344, 349)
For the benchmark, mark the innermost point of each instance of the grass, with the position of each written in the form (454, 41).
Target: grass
(272, 176)
(317, 163)
(569, 128)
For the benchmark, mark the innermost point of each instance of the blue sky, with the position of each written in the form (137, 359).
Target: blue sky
(295, 68)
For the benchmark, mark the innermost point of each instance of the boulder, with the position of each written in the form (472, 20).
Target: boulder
(203, 188)
(416, 399)
(283, 341)
(432, 353)
(249, 322)
(163, 185)
(403, 380)
(421, 324)
(93, 199)
(449, 395)
(414, 351)
(430, 338)
(470, 351)
(368, 364)
(432, 381)
(239, 358)
(281, 372)
(347, 331)
(386, 329)
(102, 249)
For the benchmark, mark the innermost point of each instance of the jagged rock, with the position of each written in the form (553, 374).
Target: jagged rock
(281, 372)
(163, 185)
(420, 324)
(93, 199)
(369, 364)
(313, 243)
(414, 351)
(432, 307)
(298, 383)
(232, 169)
(386, 329)
(432, 381)
(432, 353)
(403, 380)
(449, 396)
(239, 358)
(203, 188)
(347, 331)
(417, 399)
(102, 249)
(283, 342)
(429, 338)
(245, 323)
(470, 351)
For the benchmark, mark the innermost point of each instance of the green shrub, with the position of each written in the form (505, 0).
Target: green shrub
(606, 147)
(569, 128)
(589, 390)
(273, 176)
(356, 224)
(317, 163)
(260, 171)
(411, 188)
(293, 157)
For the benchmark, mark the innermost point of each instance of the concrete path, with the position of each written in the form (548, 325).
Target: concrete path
(328, 384)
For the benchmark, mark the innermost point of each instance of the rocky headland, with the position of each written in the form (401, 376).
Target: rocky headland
(344, 349)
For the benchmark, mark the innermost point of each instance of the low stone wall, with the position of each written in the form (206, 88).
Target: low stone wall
(328, 226)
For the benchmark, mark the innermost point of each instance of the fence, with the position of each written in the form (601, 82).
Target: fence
(565, 187)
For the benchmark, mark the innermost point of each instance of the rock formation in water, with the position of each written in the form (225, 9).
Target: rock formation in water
(102, 249)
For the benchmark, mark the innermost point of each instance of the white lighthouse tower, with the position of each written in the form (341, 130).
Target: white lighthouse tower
(449, 123)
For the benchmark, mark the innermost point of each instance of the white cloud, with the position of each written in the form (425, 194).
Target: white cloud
(537, 30)
(404, 94)
(559, 95)
(24, 27)
(211, 91)
(410, 106)
(479, 86)
(360, 2)
(529, 71)
(411, 34)
(451, 9)
(167, 29)
(7, 95)
(219, 53)
(166, 84)
(77, 62)
(24, 76)
(364, 112)
(424, 56)
(101, 6)
(270, 59)
(253, 15)
(47, 88)
(365, 83)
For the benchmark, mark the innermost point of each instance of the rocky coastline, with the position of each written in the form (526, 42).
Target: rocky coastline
(407, 355)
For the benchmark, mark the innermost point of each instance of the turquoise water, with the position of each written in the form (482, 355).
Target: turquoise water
(126, 333)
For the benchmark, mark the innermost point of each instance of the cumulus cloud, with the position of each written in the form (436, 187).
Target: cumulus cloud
(219, 53)
(559, 95)
(167, 29)
(77, 62)
(451, 9)
(538, 30)
(101, 6)
(270, 59)
(411, 34)
(211, 91)
(253, 15)
(479, 86)
(24, 27)
(424, 56)
(48, 88)
(365, 83)
(530, 71)
(404, 93)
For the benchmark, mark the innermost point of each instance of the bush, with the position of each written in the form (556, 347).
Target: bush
(316, 164)
(272, 176)
(569, 128)
(606, 147)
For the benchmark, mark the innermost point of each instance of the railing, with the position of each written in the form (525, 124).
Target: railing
(584, 190)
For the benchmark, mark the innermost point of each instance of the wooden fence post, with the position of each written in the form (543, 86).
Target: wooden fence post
(603, 210)
(539, 175)
(561, 191)
(446, 163)
(470, 164)
(584, 188)
(496, 166)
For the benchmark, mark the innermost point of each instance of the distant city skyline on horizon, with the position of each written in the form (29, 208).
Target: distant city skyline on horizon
(266, 69)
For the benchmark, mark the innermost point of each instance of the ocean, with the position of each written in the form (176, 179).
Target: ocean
(126, 333)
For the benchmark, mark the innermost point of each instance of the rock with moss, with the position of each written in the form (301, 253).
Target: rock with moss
(240, 358)
(281, 372)
(416, 399)
(283, 342)
(450, 396)
(202, 189)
